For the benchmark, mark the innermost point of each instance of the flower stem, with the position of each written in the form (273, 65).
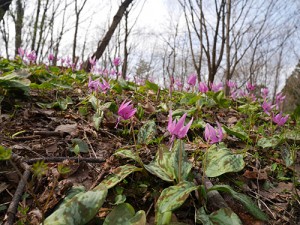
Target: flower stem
(180, 161)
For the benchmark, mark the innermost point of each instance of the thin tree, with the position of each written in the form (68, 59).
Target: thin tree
(4, 6)
(104, 42)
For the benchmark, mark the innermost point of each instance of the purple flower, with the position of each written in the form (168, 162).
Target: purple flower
(31, 56)
(231, 84)
(216, 87)
(21, 52)
(117, 61)
(178, 129)
(50, 57)
(203, 87)
(104, 86)
(192, 80)
(267, 107)
(213, 135)
(94, 85)
(279, 100)
(279, 119)
(250, 87)
(62, 61)
(126, 110)
(92, 61)
(264, 92)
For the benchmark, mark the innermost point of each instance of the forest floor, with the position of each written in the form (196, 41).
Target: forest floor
(52, 128)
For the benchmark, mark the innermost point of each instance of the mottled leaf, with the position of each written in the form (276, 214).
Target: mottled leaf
(269, 142)
(162, 165)
(80, 209)
(172, 198)
(238, 132)
(220, 160)
(124, 153)
(124, 214)
(81, 146)
(244, 199)
(224, 216)
(119, 174)
(147, 132)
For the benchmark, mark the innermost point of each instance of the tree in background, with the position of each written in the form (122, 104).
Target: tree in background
(4, 6)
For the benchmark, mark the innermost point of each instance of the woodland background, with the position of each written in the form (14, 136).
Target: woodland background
(240, 40)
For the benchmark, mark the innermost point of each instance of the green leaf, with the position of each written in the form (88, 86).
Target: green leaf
(82, 146)
(97, 119)
(221, 100)
(270, 142)
(224, 216)
(124, 153)
(124, 214)
(5, 153)
(220, 160)
(292, 136)
(119, 174)
(189, 99)
(288, 154)
(16, 80)
(147, 133)
(238, 132)
(63, 103)
(170, 199)
(151, 86)
(95, 102)
(162, 165)
(80, 209)
(244, 199)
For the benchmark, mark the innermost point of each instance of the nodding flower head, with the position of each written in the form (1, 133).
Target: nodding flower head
(250, 87)
(177, 129)
(104, 86)
(279, 119)
(216, 87)
(125, 112)
(192, 80)
(117, 61)
(93, 85)
(213, 135)
(203, 87)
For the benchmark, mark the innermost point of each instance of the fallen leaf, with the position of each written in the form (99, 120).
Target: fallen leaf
(66, 128)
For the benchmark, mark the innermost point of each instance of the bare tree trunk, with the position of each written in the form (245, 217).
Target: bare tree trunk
(19, 26)
(125, 60)
(102, 44)
(5, 36)
(35, 27)
(4, 6)
(77, 13)
(228, 73)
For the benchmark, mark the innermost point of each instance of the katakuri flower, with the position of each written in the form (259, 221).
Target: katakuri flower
(231, 84)
(279, 119)
(192, 80)
(93, 85)
(250, 87)
(213, 135)
(264, 92)
(267, 107)
(125, 112)
(178, 129)
(203, 87)
(117, 61)
(104, 86)
(216, 87)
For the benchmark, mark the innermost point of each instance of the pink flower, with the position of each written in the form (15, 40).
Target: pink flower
(117, 61)
(213, 135)
(231, 84)
(279, 119)
(264, 92)
(216, 87)
(50, 57)
(31, 56)
(267, 107)
(21, 52)
(279, 100)
(192, 80)
(126, 110)
(92, 61)
(104, 86)
(203, 87)
(93, 85)
(178, 129)
(250, 87)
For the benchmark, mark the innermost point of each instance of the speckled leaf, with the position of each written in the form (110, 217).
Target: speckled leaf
(270, 142)
(238, 132)
(124, 214)
(147, 132)
(172, 198)
(124, 153)
(220, 160)
(224, 216)
(244, 199)
(80, 209)
(119, 174)
(97, 119)
(162, 165)
(186, 166)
